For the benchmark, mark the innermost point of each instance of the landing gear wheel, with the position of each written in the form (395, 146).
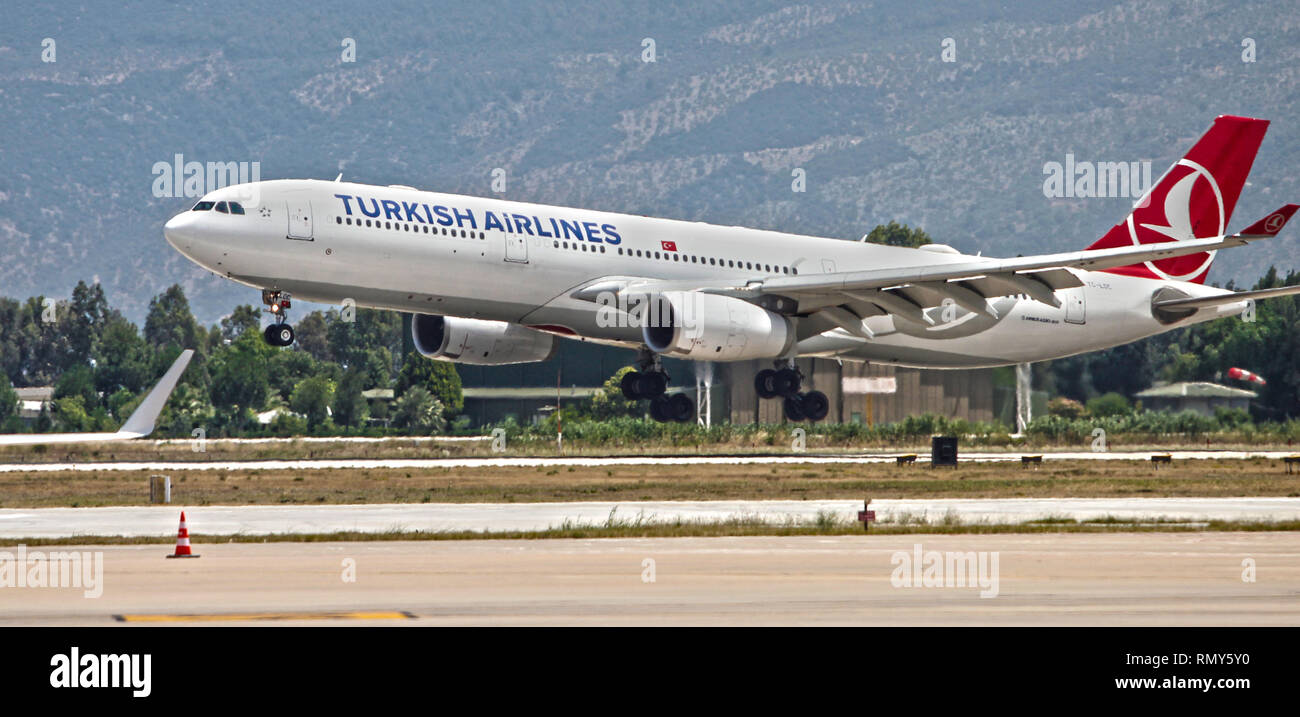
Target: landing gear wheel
(283, 334)
(681, 408)
(815, 405)
(278, 335)
(786, 382)
(763, 383)
(653, 384)
(629, 385)
(660, 407)
(793, 409)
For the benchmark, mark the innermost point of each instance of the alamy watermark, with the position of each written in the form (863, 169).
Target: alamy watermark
(132, 670)
(1083, 179)
(619, 310)
(56, 569)
(179, 178)
(934, 569)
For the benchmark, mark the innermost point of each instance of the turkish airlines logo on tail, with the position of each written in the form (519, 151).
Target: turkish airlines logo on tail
(1191, 208)
(669, 245)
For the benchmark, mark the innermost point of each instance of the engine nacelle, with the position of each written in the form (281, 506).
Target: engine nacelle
(478, 342)
(710, 327)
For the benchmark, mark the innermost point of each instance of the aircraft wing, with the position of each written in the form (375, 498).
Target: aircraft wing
(845, 298)
(138, 425)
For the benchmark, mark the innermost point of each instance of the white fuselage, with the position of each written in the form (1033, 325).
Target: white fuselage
(476, 257)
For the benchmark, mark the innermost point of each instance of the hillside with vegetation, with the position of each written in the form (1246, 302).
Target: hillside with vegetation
(562, 98)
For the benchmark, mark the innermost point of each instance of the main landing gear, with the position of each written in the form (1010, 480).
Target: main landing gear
(785, 382)
(651, 382)
(280, 333)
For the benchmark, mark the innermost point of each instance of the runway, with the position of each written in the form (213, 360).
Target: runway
(19, 523)
(638, 460)
(1058, 579)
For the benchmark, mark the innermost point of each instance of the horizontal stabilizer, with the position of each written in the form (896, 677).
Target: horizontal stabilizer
(1208, 301)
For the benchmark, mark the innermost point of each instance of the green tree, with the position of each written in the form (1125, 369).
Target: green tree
(895, 234)
(122, 359)
(78, 382)
(287, 367)
(170, 322)
(1110, 404)
(8, 400)
(87, 315)
(70, 414)
(609, 401)
(245, 317)
(419, 412)
(239, 373)
(312, 397)
(439, 378)
(312, 336)
(350, 408)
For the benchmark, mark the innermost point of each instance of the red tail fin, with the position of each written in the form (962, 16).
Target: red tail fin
(1194, 199)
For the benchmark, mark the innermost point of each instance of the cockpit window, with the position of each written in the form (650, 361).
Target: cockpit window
(202, 206)
(236, 208)
(221, 207)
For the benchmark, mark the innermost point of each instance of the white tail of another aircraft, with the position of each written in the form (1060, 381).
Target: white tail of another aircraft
(138, 425)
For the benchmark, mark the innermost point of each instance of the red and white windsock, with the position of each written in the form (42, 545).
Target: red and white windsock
(1242, 374)
(183, 542)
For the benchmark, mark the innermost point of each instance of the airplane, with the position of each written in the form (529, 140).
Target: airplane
(491, 282)
(138, 425)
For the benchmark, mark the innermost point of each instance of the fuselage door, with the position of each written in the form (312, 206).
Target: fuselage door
(299, 212)
(1075, 307)
(516, 248)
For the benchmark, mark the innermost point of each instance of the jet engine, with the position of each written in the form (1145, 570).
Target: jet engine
(478, 342)
(711, 327)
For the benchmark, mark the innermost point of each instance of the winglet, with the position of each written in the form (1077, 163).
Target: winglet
(1270, 225)
(144, 416)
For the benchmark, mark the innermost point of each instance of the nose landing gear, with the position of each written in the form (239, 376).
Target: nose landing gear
(785, 382)
(281, 332)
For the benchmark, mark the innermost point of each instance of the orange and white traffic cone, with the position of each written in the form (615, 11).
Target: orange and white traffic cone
(183, 542)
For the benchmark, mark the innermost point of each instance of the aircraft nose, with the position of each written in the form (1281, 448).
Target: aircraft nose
(179, 231)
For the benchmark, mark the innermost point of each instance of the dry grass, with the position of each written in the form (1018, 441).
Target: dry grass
(761, 443)
(700, 529)
(1055, 479)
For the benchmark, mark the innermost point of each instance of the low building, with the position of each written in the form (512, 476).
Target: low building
(1199, 396)
(32, 400)
(868, 393)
